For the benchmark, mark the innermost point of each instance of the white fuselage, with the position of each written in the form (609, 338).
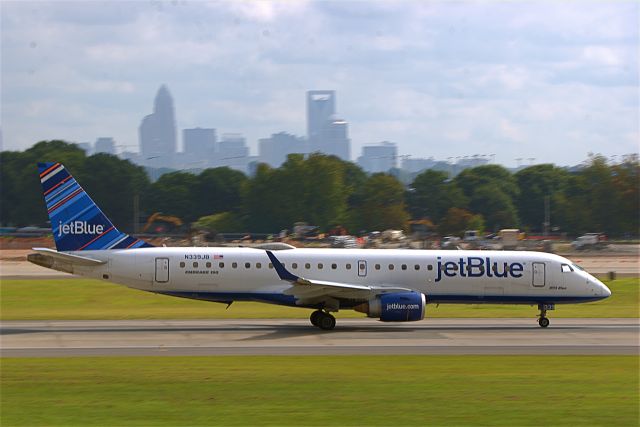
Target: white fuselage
(245, 274)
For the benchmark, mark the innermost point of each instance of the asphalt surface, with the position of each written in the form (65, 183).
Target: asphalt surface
(298, 337)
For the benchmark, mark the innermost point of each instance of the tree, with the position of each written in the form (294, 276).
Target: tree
(432, 195)
(535, 184)
(495, 206)
(491, 191)
(175, 194)
(219, 190)
(113, 184)
(383, 203)
(222, 222)
(457, 221)
(310, 190)
(21, 200)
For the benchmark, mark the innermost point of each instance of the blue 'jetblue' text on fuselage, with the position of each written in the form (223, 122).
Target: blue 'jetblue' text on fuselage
(478, 267)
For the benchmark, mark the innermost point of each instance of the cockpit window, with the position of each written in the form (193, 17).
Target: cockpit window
(566, 268)
(577, 267)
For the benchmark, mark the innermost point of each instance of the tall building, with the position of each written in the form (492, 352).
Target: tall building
(105, 145)
(274, 150)
(158, 131)
(325, 132)
(378, 158)
(199, 146)
(233, 152)
(87, 147)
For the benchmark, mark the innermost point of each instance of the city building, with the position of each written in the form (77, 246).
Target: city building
(87, 147)
(378, 158)
(157, 132)
(326, 133)
(233, 152)
(274, 150)
(199, 146)
(105, 145)
(417, 165)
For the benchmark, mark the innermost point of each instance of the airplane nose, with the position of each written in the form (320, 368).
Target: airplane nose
(601, 288)
(605, 290)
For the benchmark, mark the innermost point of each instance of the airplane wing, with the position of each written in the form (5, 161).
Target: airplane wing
(310, 291)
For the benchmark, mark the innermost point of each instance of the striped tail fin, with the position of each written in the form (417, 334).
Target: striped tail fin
(77, 222)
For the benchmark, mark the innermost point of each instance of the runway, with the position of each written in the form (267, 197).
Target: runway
(298, 337)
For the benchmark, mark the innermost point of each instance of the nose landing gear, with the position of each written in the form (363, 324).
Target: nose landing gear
(323, 320)
(543, 321)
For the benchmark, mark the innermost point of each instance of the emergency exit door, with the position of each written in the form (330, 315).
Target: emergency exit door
(538, 274)
(162, 270)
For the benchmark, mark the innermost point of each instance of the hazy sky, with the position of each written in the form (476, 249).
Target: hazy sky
(545, 80)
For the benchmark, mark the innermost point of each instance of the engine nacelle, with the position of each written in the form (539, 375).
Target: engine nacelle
(395, 307)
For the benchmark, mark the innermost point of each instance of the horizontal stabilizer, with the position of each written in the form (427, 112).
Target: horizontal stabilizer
(70, 258)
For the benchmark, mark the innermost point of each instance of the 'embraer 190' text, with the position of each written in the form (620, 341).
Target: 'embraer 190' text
(79, 227)
(478, 267)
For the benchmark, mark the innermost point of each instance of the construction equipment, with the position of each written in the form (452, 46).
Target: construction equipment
(159, 217)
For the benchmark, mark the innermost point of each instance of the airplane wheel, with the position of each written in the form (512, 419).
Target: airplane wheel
(326, 322)
(543, 322)
(315, 317)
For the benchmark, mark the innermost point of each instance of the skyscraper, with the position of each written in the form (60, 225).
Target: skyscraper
(158, 131)
(378, 158)
(105, 145)
(274, 150)
(199, 146)
(326, 133)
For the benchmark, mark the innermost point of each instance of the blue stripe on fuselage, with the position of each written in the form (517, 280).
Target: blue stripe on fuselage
(289, 300)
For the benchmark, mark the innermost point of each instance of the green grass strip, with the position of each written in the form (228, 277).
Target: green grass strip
(70, 299)
(321, 391)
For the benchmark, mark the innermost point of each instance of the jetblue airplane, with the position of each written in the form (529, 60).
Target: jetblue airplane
(390, 285)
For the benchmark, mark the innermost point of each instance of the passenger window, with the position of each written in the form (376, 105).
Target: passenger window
(348, 266)
(391, 267)
(221, 264)
(247, 265)
(429, 267)
(258, 265)
(270, 265)
(404, 266)
(294, 265)
(320, 266)
(182, 264)
(416, 267)
(234, 265)
(208, 265)
(307, 266)
(377, 267)
(195, 265)
(566, 268)
(334, 266)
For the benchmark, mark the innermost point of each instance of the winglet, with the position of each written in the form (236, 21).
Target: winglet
(283, 273)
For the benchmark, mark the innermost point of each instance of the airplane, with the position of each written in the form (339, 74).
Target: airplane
(392, 285)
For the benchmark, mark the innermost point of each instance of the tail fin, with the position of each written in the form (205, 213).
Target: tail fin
(77, 222)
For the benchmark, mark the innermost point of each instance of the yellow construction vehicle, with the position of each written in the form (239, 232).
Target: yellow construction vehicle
(159, 217)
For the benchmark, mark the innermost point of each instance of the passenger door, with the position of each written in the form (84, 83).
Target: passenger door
(162, 270)
(539, 274)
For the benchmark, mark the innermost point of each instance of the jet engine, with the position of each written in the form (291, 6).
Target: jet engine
(395, 307)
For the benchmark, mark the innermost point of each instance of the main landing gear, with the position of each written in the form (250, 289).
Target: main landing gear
(543, 321)
(323, 320)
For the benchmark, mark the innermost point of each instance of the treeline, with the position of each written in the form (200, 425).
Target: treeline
(326, 191)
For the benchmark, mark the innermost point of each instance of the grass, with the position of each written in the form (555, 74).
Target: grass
(321, 390)
(70, 299)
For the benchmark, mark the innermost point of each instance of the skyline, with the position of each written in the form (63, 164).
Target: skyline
(443, 80)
